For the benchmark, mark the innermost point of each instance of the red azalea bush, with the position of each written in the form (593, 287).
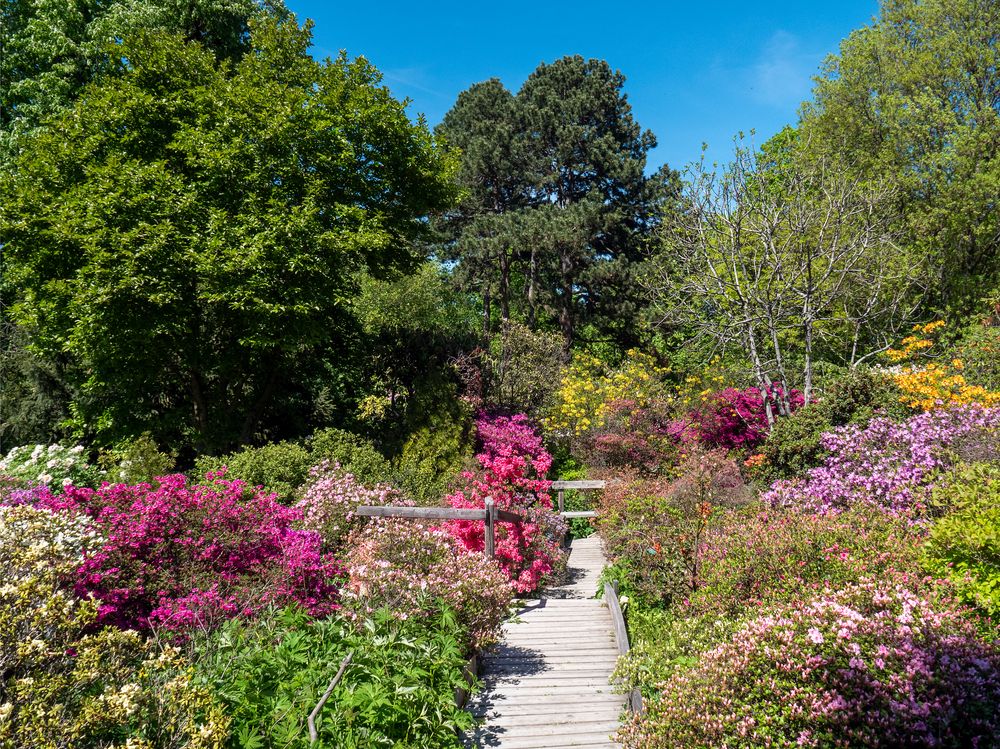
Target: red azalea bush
(513, 465)
(410, 568)
(733, 419)
(872, 665)
(176, 555)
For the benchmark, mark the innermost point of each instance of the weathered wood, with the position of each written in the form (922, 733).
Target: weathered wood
(490, 531)
(579, 514)
(420, 513)
(621, 638)
(547, 685)
(311, 720)
(508, 517)
(562, 501)
(582, 485)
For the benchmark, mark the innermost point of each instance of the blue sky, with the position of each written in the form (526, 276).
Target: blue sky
(697, 71)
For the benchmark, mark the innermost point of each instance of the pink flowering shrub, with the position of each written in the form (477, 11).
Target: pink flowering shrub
(513, 465)
(412, 568)
(758, 557)
(872, 665)
(330, 500)
(885, 464)
(732, 419)
(178, 555)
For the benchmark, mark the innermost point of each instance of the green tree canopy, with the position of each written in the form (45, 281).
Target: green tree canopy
(192, 231)
(915, 99)
(52, 50)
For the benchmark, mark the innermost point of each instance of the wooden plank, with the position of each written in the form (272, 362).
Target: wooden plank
(509, 517)
(579, 514)
(490, 530)
(420, 513)
(621, 638)
(585, 485)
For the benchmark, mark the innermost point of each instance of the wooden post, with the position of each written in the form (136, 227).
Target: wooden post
(562, 506)
(491, 518)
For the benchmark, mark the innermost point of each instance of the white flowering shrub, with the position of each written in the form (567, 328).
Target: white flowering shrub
(54, 466)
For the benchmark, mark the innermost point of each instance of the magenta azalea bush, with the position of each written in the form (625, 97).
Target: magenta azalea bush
(178, 555)
(732, 419)
(513, 464)
(872, 665)
(411, 569)
(885, 464)
(330, 501)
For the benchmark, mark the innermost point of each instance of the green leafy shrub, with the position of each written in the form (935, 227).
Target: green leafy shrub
(353, 452)
(979, 353)
(136, 461)
(63, 689)
(283, 467)
(964, 544)
(755, 557)
(397, 691)
(663, 643)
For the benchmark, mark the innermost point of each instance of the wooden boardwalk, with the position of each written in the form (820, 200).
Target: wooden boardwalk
(546, 685)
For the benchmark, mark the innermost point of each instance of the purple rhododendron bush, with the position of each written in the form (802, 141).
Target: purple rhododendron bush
(888, 465)
(177, 554)
(870, 665)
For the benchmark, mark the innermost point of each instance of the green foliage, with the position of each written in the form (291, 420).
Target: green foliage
(397, 691)
(979, 352)
(964, 545)
(52, 50)
(136, 461)
(194, 274)
(353, 452)
(664, 642)
(911, 101)
(283, 467)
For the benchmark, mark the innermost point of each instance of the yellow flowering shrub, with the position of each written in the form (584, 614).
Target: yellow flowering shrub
(589, 389)
(62, 687)
(934, 384)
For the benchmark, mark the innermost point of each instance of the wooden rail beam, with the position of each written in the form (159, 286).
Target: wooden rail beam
(621, 638)
(583, 485)
(420, 513)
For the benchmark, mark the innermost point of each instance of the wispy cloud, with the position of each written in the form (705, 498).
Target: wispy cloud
(782, 74)
(416, 78)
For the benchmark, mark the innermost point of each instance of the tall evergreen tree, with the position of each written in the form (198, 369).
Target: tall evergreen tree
(558, 205)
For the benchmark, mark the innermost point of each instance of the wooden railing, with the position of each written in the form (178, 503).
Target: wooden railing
(490, 514)
(581, 486)
(621, 637)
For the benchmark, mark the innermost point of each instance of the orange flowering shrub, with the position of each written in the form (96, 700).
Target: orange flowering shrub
(935, 384)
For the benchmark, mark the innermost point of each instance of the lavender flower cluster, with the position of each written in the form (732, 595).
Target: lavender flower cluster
(886, 464)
